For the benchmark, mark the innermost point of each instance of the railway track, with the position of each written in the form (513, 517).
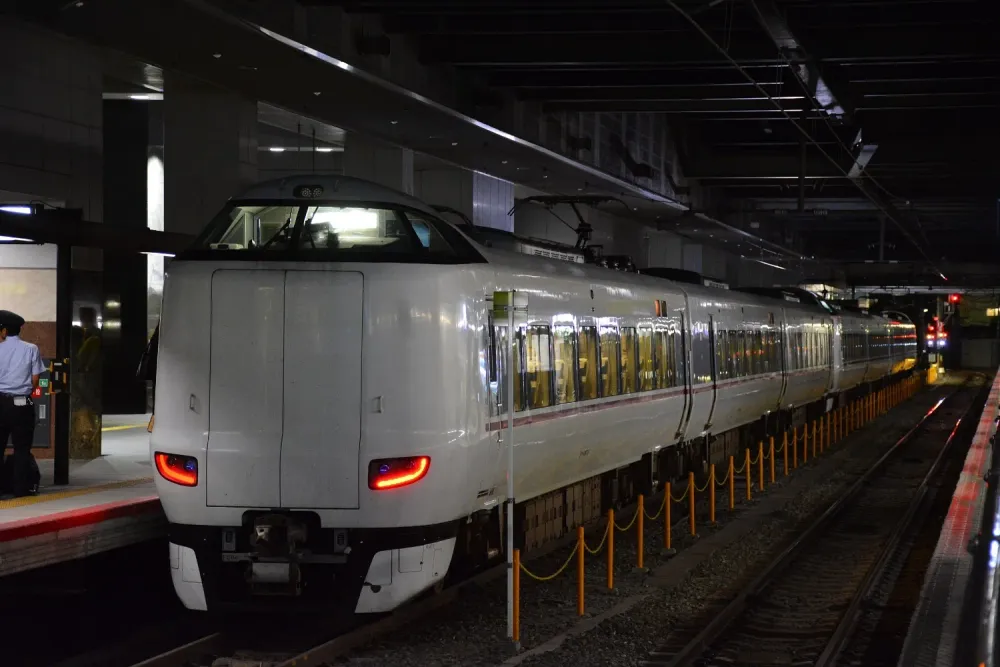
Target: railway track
(257, 644)
(809, 604)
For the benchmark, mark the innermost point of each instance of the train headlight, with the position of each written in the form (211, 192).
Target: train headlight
(176, 468)
(384, 474)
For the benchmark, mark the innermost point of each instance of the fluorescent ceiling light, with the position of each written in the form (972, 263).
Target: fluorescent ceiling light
(17, 210)
(276, 149)
(773, 266)
(159, 254)
(136, 97)
(324, 149)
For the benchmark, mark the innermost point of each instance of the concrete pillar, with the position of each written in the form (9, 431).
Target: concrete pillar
(210, 150)
(485, 199)
(379, 162)
(123, 334)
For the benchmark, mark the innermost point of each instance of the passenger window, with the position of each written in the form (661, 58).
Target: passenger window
(588, 363)
(538, 365)
(662, 359)
(735, 352)
(647, 361)
(628, 360)
(610, 364)
(564, 344)
(721, 355)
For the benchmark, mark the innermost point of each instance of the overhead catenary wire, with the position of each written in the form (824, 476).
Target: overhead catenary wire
(805, 133)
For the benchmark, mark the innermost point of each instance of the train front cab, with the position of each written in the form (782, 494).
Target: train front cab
(281, 467)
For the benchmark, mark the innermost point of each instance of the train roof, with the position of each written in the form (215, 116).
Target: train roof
(307, 187)
(329, 187)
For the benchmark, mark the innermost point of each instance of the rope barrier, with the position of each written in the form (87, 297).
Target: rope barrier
(828, 429)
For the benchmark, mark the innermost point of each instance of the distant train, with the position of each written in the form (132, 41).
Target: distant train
(331, 390)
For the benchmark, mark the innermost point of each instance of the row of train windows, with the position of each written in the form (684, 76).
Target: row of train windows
(879, 346)
(809, 349)
(745, 353)
(558, 365)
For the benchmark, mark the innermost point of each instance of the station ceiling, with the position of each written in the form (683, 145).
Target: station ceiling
(821, 126)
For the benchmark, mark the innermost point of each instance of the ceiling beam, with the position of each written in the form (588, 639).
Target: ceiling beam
(805, 68)
(570, 50)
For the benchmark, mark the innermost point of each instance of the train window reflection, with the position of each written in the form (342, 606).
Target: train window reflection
(588, 363)
(538, 367)
(610, 363)
(628, 360)
(563, 344)
(647, 360)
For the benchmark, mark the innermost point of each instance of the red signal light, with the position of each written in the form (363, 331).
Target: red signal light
(176, 468)
(384, 474)
(954, 298)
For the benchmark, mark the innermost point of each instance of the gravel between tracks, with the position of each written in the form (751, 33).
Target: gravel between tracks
(623, 626)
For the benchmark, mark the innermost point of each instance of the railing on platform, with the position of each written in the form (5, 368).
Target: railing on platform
(817, 437)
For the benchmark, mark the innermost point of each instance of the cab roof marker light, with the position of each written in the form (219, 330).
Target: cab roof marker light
(181, 470)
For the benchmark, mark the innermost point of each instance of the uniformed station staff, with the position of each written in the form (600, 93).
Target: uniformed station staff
(20, 368)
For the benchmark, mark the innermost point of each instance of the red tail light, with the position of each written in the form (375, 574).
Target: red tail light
(386, 474)
(176, 468)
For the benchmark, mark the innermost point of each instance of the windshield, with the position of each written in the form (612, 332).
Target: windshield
(331, 231)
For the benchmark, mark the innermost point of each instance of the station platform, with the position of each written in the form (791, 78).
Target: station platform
(936, 626)
(110, 503)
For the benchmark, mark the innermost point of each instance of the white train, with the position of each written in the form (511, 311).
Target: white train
(330, 389)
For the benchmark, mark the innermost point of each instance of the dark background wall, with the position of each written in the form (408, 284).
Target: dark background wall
(126, 147)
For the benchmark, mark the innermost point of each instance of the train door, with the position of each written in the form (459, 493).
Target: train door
(782, 355)
(684, 367)
(322, 380)
(495, 347)
(713, 360)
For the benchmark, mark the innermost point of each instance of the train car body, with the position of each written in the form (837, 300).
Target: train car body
(331, 389)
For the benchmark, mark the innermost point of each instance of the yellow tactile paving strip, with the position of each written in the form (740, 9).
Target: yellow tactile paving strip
(124, 427)
(59, 495)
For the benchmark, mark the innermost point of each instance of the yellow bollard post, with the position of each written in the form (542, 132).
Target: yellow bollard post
(516, 630)
(805, 443)
(771, 456)
(581, 549)
(732, 483)
(640, 517)
(711, 493)
(795, 447)
(611, 549)
(814, 438)
(667, 502)
(784, 448)
(746, 466)
(760, 465)
(820, 440)
(829, 424)
(691, 499)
